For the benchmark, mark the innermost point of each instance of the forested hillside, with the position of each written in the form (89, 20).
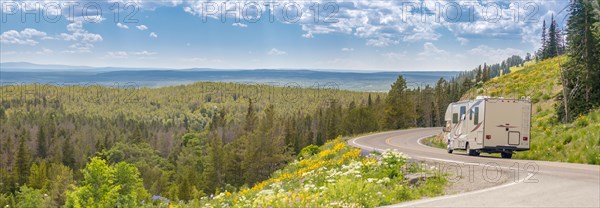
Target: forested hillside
(180, 143)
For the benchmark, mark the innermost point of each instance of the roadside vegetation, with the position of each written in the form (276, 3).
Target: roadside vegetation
(335, 175)
(435, 141)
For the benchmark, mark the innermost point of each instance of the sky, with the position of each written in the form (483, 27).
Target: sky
(389, 35)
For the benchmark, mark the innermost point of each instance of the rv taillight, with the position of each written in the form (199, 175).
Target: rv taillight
(488, 136)
(525, 138)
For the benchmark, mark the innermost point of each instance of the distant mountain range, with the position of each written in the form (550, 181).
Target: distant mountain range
(21, 72)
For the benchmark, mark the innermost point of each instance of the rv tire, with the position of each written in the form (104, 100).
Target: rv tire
(470, 151)
(507, 155)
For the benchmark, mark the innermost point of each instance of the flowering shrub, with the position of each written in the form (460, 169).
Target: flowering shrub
(336, 176)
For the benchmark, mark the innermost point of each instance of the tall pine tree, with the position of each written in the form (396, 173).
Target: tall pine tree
(552, 47)
(23, 159)
(581, 74)
(543, 52)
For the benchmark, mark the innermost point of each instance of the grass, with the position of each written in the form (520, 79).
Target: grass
(335, 175)
(576, 142)
(436, 141)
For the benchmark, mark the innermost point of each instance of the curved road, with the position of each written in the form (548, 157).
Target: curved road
(537, 184)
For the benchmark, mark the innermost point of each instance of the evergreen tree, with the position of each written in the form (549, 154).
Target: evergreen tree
(479, 75)
(213, 167)
(23, 160)
(399, 108)
(68, 157)
(581, 75)
(250, 117)
(543, 52)
(41, 142)
(38, 177)
(485, 76)
(552, 47)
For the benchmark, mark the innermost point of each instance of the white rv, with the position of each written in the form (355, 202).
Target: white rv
(490, 125)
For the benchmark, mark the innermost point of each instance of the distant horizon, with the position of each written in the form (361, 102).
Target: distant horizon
(133, 68)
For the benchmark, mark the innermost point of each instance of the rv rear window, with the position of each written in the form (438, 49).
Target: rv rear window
(455, 118)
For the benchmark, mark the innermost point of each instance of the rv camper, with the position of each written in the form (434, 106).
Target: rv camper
(490, 125)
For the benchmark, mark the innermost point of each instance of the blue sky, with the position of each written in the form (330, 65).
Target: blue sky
(405, 35)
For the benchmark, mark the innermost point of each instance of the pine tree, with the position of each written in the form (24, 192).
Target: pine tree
(23, 160)
(213, 167)
(38, 177)
(544, 50)
(552, 47)
(479, 75)
(321, 130)
(485, 76)
(41, 142)
(580, 76)
(441, 100)
(399, 109)
(68, 158)
(250, 117)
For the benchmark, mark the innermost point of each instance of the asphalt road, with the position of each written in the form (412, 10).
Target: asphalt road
(536, 184)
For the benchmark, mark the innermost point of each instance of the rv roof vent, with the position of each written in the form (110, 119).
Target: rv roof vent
(482, 97)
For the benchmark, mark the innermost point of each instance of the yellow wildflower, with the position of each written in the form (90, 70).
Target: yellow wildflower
(338, 146)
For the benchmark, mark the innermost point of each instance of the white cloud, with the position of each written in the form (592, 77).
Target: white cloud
(275, 51)
(422, 32)
(145, 53)
(82, 37)
(381, 42)
(429, 49)
(141, 27)
(25, 37)
(125, 54)
(44, 51)
(308, 35)
(347, 49)
(122, 26)
(463, 41)
(80, 34)
(85, 18)
(237, 24)
(118, 54)
(82, 47)
(200, 60)
(394, 56)
(7, 53)
(495, 55)
(153, 35)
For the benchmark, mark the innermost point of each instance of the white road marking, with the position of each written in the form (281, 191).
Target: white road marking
(410, 204)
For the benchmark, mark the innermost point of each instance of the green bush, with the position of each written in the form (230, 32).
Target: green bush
(308, 151)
